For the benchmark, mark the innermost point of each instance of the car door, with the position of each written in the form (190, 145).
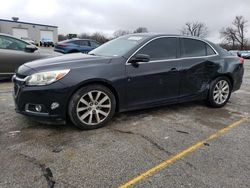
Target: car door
(197, 66)
(85, 46)
(13, 54)
(157, 80)
(94, 44)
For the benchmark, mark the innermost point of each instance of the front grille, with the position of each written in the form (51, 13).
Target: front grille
(16, 89)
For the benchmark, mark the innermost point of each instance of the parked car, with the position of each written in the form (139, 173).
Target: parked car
(234, 52)
(15, 52)
(46, 42)
(76, 45)
(131, 72)
(245, 54)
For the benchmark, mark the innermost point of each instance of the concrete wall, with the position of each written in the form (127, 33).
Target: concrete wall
(33, 29)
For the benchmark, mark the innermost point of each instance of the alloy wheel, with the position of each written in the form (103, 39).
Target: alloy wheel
(221, 92)
(93, 107)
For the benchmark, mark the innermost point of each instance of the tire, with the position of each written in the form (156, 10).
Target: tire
(219, 92)
(87, 113)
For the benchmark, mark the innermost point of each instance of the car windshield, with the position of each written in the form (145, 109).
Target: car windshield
(119, 46)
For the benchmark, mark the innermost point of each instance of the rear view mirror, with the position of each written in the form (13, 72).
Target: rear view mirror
(30, 48)
(139, 58)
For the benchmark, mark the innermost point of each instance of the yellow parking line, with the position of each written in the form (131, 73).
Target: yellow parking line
(180, 155)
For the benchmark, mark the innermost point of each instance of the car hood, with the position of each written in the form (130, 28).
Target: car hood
(69, 61)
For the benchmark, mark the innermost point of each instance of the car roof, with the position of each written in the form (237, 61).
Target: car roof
(75, 39)
(155, 35)
(4, 34)
(7, 35)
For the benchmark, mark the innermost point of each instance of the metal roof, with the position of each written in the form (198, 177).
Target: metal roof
(28, 23)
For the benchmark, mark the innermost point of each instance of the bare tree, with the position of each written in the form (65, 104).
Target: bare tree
(236, 34)
(229, 36)
(120, 32)
(240, 30)
(84, 36)
(99, 37)
(197, 29)
(141, 30)
(61, 37)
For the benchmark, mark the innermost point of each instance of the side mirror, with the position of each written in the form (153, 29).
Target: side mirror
(30, 48)
(139, 58)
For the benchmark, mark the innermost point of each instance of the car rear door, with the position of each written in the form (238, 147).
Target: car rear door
(197, 66)
(85, 46)
(158, 79)
(13, 54)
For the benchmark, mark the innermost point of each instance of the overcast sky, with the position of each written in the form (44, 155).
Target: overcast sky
(106, 16)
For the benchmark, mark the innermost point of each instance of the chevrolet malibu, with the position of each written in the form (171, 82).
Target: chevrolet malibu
(131, 72)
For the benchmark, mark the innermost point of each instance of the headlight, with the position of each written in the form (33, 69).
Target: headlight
(45, 78)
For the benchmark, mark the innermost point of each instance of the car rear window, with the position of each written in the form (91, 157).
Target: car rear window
(210, 51)
(192, 48)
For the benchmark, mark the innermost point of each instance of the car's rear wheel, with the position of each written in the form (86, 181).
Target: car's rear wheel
(219, 92)
(92, 107)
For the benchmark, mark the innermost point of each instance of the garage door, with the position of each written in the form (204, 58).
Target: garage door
(20, 33)
(46, 35)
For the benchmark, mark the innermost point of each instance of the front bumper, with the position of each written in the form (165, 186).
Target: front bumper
(26, 97)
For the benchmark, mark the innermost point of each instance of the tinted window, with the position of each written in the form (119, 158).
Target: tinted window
(12, 43)
(162, 48)
(210, 51)
(84, 43)
(94, 44)
(74, 42)
(192, 48)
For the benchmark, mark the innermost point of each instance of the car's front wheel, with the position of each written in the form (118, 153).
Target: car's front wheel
(92, 107)
(219, 92)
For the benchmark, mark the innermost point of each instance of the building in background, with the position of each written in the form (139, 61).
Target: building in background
(32, 31)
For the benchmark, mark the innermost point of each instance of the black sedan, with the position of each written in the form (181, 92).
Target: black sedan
(131, 72)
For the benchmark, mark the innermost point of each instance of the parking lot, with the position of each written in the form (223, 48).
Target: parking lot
(183, 145)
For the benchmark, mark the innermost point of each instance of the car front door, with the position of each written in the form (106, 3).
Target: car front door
(94, 44)
(197, 66)
(157, 80)
(13, 54)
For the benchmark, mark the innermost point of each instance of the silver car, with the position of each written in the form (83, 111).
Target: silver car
(15, 52)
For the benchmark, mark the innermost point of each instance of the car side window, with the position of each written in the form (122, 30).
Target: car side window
(94, 44)
(9, 43)
(192, 48)
(84, 43)
(210, 51)
(76, 42)
(159, 49)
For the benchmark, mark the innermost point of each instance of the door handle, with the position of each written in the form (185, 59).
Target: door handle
(173, 69)
(210, 65)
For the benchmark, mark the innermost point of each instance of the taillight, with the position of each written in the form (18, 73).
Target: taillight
(241, 60)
